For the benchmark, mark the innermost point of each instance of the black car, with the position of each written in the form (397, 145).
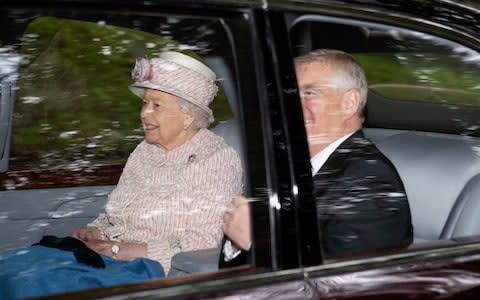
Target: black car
(68, 123)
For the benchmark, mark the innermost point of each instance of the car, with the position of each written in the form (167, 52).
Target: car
(68, 123)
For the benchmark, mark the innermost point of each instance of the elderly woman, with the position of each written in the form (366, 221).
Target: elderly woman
(178, 181)
(171, 195)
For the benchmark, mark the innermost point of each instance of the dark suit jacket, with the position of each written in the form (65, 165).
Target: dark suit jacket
(361, 202)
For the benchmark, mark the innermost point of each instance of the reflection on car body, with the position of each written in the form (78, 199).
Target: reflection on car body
(60, 161)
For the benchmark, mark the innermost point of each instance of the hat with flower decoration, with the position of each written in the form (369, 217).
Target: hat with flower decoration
(177, 74)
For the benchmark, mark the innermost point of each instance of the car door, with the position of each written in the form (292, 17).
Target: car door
(69, 121)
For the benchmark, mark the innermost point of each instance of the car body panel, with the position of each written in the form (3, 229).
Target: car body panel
(451, 273)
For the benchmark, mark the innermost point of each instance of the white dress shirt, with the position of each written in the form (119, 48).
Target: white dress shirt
(321, 157)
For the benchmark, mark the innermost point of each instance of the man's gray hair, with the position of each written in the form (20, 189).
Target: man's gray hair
(201, 119)
(348, 72)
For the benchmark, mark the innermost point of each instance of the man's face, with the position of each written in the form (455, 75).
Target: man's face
(321, 104)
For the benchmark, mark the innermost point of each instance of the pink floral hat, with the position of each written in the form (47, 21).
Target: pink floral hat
(177, 74)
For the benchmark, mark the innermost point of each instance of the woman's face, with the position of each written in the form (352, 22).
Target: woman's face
(163, 121)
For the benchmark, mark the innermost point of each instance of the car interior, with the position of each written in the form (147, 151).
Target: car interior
(441, 174)
(439, 165)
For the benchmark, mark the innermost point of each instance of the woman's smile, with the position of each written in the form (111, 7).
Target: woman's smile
(149, 127)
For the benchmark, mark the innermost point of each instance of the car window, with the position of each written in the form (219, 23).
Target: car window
(422, 113)
(60, 124)
(407, 67)
(73, 109)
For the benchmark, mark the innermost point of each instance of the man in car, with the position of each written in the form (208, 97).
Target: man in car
(360, 198)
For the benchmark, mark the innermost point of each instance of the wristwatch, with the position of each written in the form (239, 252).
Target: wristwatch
(115, 250)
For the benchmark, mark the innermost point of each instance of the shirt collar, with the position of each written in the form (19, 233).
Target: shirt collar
(321, 157)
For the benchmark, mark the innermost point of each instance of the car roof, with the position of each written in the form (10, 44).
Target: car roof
(462, 15)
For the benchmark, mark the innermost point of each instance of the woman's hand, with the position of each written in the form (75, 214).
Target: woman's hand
(86, 233)
(236, 223)
(128, 250)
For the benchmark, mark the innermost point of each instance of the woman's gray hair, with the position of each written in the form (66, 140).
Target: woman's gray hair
(201, 119)
(348, 72)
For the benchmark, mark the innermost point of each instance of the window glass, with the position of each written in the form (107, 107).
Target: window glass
(413, 66)
(408, 67)
(75, 122)
(73, 107)
(422, 114)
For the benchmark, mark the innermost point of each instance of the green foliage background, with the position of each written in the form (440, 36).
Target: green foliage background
(73, 106)
(429, 75)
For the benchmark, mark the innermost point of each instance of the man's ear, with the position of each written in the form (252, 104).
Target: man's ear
(351, 103)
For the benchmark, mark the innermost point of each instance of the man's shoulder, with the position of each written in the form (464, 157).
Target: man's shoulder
(358, 148)
(359, 156)
(369, 159)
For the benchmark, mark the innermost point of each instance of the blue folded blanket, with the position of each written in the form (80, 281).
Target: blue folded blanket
(40, 271)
